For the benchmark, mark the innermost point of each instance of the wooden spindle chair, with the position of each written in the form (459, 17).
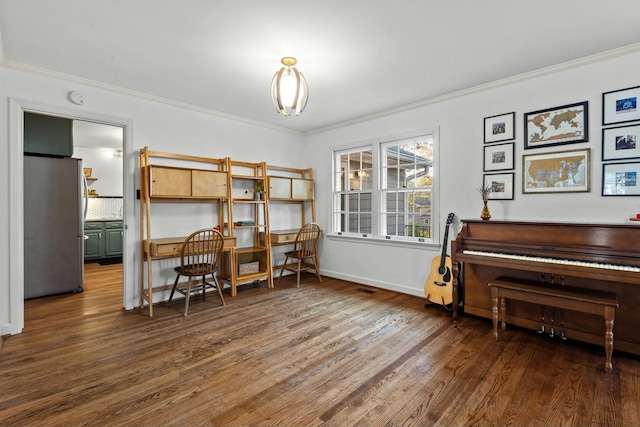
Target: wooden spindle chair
(305, 248)
(200, 257)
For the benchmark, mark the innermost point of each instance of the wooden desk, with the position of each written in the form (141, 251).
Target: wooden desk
(164, 248)
(583, 300)
(285, 237)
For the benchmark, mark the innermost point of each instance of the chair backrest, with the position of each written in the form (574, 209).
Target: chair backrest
(307, 240)
(201, 250)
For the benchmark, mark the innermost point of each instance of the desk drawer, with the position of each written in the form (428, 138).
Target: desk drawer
(281, 236)
(165, 249)
(171, 246)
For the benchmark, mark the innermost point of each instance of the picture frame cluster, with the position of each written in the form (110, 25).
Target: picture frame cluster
(620, 150)
(565, 171)
(499, 155)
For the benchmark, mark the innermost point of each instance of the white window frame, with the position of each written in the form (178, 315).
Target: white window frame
(408, 216)
(341, 215)
(377, 235)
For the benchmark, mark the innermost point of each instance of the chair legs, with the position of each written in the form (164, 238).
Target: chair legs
(299, 269)
(187, 292)
(187, 295)
(298, 273)
(175, 285)
(315, 266)
(283, 267)
(215, 279)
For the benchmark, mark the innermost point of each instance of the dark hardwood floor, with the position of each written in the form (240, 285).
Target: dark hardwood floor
(329, 354)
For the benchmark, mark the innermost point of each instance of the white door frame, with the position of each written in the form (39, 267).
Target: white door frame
(17, 107)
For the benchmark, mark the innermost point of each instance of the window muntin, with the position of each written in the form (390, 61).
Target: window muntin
(406, 172)
(353, 192)
(385, 190)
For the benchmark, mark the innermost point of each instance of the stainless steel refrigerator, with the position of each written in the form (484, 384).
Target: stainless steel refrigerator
(53, 226)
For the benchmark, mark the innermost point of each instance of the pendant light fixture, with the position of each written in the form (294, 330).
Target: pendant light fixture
(289, 90)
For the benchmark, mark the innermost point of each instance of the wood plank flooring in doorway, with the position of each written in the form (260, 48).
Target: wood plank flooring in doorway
(326, 354)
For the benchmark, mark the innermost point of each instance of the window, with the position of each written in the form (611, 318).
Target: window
(385, 189)
(353, 195)
(406, 183)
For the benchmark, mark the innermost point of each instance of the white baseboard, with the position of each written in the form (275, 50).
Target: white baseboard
(375, 283)
(5, 329)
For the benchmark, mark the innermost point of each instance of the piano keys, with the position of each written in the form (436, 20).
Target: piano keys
(602, 257)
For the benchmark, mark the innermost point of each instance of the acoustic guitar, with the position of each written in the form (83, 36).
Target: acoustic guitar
(439, 285)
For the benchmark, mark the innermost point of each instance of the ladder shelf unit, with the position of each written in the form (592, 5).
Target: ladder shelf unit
(293, 188)
(248, 217)
(175, 181)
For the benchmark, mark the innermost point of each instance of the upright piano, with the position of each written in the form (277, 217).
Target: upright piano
(591, 256)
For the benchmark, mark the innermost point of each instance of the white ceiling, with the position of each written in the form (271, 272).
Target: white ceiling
(360, 57)
(97, 135)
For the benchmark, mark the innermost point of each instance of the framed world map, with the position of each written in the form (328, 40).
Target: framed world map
(567, 124)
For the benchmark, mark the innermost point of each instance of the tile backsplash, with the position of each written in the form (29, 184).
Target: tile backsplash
(104, 207)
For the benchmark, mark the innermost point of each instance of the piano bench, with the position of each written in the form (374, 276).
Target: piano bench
(564, 297)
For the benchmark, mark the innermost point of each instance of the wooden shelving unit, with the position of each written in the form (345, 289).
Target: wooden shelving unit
(293, 187)
(248, 217)
(243, 217)
(175, 184)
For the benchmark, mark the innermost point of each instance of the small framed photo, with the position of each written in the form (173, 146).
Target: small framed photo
(567, 124)
(620, 143)
(558, 172)
(501, 185)
(498, 157)
(499, 128)
(620, 179)
(620, 106)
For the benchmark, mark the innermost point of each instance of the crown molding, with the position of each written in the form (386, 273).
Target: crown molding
(137, 94)
(599, 57)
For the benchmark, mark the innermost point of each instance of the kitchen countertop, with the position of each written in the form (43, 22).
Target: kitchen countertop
(107, 218)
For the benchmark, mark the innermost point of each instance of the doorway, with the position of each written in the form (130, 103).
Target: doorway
(16, 188)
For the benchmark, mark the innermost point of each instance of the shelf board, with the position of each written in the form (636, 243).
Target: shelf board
(251, 177)
(250, 250)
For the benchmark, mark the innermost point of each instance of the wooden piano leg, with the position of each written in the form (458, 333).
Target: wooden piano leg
(494, 311)
(503, 312)
(609, 317)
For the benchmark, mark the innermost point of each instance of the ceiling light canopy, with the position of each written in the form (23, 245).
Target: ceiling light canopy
(289, 89)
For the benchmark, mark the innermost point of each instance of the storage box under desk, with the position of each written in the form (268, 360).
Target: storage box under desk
(170, 246)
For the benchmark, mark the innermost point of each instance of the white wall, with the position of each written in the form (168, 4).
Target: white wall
(105, 168)
(460, 120)
(160, 126)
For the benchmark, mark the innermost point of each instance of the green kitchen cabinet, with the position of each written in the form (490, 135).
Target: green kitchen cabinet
(93, 247)
(113, 239)
(104, 239)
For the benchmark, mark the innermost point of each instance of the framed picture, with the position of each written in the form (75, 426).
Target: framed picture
(555, 126)
(498, 157)
(620, 143)
(501, 185)
(499, 128)
(620, 106)
(87, 172)
(559, 172)
(620, 179)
